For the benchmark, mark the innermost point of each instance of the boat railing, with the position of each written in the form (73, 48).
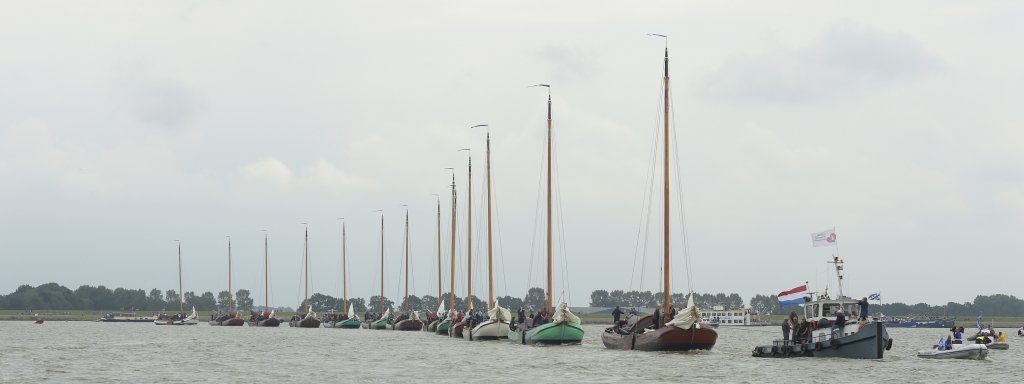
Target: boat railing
(824, 337)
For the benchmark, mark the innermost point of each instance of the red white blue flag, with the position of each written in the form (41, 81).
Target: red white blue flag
(793, 296)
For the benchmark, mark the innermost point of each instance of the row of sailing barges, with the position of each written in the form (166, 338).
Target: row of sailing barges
(670, 331)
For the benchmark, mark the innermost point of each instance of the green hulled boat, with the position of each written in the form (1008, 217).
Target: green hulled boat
(442, 327)
(562, 333)
(565, 328)
(349, 323)
(380, 324)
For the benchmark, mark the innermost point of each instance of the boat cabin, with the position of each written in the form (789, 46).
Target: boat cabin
(827, 308)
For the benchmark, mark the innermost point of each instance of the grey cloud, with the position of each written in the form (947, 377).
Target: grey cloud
(848, 59)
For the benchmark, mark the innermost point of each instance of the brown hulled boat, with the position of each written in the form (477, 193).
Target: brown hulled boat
(683, 332)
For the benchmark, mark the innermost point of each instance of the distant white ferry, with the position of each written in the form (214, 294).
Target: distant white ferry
(718, 315)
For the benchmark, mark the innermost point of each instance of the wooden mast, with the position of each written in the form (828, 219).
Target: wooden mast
(469, 236)
(344, 270)
(666, 298)
(490, 258)
(266, 273)
(305, 260)
(438, 247)
(381, 301)
(549, 293)
(405, 300)
(451, 276)
(230, 306)
(181, 292)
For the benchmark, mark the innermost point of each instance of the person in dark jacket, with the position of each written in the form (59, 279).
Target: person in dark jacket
(616, 314)
(785, 330)
(657, 318)
(863, 303)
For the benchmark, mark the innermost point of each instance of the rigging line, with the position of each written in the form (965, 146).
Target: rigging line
(497, 219)
(561, 231)
(680, 193)
(645, 208)
(536, 224)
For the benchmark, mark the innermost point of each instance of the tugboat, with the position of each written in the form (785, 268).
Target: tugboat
(856, 339)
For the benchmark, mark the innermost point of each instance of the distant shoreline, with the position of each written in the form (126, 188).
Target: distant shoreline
(773, 320)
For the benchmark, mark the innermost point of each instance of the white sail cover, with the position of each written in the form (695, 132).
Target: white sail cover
(440, 310)
(415, 315)
(500, 314)
(193, 316)
(451, 314)
(271, 315)
(387, 314)
(309, 313)
(563, 314)
(687, 317)
(352, 312)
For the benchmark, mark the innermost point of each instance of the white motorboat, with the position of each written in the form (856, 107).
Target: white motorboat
(958, 351)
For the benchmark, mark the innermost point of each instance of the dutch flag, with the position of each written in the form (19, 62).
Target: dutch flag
(793, 296)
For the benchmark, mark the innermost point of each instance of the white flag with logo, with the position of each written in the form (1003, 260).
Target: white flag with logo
(824, 238)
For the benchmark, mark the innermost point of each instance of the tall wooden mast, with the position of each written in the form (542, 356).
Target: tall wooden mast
(549, 293)
(469, 235)
(451, 276)
(438, 247)
(266, 272)
(230, 306)
(181, 292)
(381, 301)
(490, 247)
(405, 300)
(344, 270)
(667, 295)
(305, 261)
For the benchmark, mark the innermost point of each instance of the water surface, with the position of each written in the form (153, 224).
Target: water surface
(88, 352)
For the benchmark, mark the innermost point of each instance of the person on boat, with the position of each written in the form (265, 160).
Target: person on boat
(521, 315)
(633, 311)
(949, 343)
(1002, 338)
(616, 314)
(837, 327)
(958, 335)
(657, 318)
(785, 330)
(803, 332)
(863, 303)
(792, 317)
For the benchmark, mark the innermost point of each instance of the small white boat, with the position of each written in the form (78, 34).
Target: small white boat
(959, 351)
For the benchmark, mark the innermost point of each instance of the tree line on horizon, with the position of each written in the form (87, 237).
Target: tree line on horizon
(52, 296)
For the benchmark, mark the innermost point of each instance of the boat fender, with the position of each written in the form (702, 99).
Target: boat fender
(888, 345)
(834, 343)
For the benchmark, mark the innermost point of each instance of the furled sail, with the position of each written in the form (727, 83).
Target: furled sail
(440, 309)
(563, 314)
(387, 314)
(352, 312)
(309, 313)
(499, 313)
(193, 316)
(687, 317)
(415, 315)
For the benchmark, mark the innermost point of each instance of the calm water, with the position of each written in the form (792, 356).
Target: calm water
(98, 352)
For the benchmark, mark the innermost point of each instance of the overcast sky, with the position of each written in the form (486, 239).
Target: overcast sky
(125, 125)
